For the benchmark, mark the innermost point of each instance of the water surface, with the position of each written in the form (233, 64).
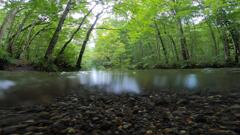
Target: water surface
(17, 87)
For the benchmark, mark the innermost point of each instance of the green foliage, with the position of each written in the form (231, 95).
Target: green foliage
(135, 34)
(142, 45)
(3, 54)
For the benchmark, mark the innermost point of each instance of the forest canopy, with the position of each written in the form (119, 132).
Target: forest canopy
(134, 34)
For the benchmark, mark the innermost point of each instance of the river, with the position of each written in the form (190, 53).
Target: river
(28, 87)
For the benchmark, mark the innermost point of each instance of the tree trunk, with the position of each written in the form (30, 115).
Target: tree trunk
(236, 56)
(193, 38)
(79, 60)
(183, 42)
(236, 41)
(162, 43)
(39, 32)
(173, 44)
(74, 33)
(215, 46)
(15, 36)
(55, 36)
(226, 33)
(141, 49)
(30, 38)
(158, 48)
(7, 22)
(226, 46)
(26, 44)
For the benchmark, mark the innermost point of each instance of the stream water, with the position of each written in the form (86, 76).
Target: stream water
(17, 87)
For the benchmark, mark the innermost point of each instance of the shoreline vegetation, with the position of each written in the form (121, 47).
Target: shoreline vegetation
(67, 35)
(19, 66)
(149, 114)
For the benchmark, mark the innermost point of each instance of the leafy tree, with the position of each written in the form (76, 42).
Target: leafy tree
(129, 33)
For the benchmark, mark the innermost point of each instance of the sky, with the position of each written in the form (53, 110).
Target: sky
(1, 4)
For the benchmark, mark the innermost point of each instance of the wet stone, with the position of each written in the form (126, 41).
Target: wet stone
(95, 118)
(235, 107)
(13, 129)
(149, 132)
(183, 132)
(29, 133)
(221, 132)
(70, 130)
(126, 114)
(31, 128)
(44, 115)
(30, 121)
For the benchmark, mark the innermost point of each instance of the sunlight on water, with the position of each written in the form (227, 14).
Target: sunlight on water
(191, 81)
(6, 84)
(207, 70)
(36, 86)
(126, 85)
(109, 82)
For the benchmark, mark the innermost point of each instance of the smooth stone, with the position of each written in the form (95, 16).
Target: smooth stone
(148, 132)
(13, 129)
(44, 115)
(32, 128)
(75, 99)
(29, 133)
(221, 132)
(183, 132)
(235, 107)
(95, 118)
(29, 121)
(71, 130)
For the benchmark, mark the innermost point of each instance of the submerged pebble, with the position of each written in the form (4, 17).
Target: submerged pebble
(164, 113)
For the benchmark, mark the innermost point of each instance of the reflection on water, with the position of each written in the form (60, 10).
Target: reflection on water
(5, 84)
(160, 81)
(109, 82)
(27, 86)
(179, 81)
(191, 81)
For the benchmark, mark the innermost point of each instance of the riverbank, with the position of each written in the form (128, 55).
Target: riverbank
(165, 113)
(13, 67)
(197, 66)
(19, 65)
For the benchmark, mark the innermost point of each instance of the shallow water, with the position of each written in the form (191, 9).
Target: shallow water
(18, 87)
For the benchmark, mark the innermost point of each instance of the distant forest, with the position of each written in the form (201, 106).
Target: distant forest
(135, 34)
